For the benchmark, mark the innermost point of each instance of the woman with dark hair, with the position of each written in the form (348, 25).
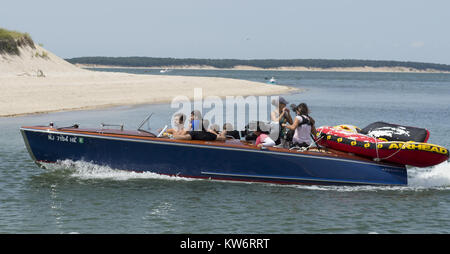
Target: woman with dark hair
(304, 126)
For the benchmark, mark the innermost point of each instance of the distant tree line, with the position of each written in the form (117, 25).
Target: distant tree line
(261, 63)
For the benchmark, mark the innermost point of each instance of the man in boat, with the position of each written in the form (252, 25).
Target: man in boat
(196, 118)
(178, 121)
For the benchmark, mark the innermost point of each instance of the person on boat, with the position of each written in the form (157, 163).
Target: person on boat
(228, 131)
(202, 134)
(262, 137)
(304, 126)
(196, 121)
(279, 117)
(178, 121)
(223, 135)
(214, 128)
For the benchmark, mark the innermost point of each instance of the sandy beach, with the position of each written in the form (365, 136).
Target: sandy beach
(38, 81)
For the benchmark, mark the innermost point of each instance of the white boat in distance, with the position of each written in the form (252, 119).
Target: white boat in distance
(272, 81)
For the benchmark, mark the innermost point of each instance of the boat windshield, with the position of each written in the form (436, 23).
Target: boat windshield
(145, 121)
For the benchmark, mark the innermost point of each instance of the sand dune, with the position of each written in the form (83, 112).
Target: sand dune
(38, 81)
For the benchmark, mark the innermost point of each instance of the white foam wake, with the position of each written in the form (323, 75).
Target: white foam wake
(432, 177)
(87, 170)
(419, 179)
(437, 177)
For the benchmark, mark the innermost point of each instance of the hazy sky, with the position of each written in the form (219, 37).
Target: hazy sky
(408, 30)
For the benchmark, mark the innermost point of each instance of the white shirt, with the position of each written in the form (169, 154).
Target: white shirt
(302, 132)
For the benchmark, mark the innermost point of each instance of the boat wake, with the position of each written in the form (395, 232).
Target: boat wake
(433, 177)
(86, 170)
(419, 179)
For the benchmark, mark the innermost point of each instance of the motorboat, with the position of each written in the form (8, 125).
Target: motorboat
(272, 81)
(231, 159)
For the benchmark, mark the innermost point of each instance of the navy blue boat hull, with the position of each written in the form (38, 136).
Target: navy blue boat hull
(207, 161)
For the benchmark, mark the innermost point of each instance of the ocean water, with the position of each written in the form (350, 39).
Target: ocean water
(79, 197)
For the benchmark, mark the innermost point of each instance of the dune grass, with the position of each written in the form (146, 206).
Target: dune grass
(10, 41)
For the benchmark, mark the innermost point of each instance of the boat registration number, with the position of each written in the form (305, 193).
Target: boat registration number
(65, 138)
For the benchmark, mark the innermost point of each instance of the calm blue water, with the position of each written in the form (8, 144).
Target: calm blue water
(85, 198)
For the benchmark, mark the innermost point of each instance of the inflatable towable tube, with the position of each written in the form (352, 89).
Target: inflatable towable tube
(411, 153)
(395, 132)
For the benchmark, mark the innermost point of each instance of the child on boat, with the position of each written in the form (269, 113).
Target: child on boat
(263, 140)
